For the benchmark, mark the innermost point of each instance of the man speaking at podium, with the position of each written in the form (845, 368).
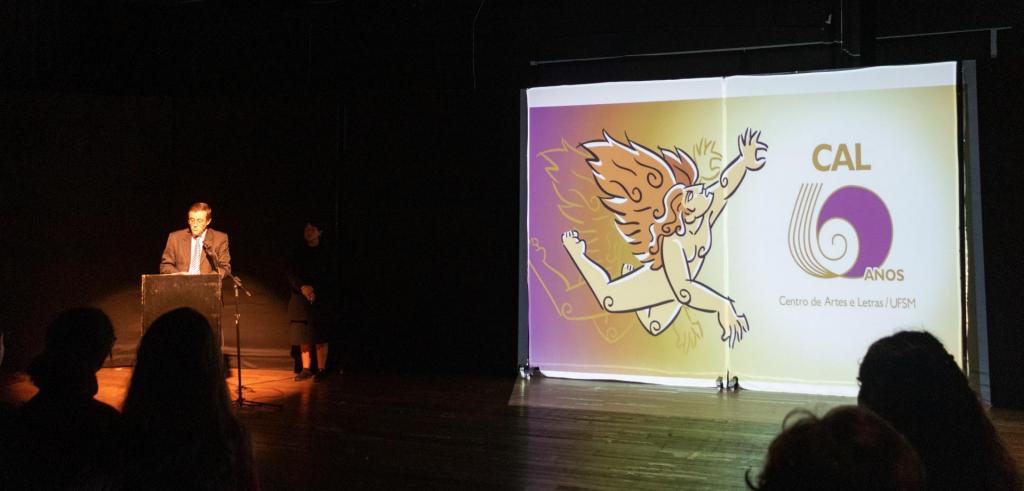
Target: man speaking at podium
(197, 249)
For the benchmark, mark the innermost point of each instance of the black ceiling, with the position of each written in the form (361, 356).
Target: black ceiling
(298, 46)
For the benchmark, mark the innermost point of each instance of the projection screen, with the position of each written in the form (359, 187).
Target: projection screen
(765, 227)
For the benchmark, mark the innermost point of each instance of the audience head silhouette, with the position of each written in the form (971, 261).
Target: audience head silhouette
(77, 342)
(62, 431)
(180, 430)
(850, 448)
(178, 364)
(910, 380)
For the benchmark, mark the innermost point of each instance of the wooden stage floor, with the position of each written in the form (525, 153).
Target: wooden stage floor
(372, 431)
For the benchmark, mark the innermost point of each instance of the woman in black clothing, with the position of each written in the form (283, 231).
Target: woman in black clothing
(310, 308)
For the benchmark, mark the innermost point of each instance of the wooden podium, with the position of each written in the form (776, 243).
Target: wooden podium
(162, 293)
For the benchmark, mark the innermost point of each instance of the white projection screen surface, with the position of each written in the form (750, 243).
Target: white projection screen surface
(768, 227)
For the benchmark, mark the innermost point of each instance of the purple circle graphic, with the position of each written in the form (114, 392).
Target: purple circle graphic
(869, 217)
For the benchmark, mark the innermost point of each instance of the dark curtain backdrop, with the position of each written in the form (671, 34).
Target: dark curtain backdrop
(420, 188)
(93, 184)
(429, 210)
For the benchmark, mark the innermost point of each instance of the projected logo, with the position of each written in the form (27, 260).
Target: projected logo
(850, 237)
(664, 214)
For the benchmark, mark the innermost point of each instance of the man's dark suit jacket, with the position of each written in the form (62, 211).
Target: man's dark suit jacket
(178, 253)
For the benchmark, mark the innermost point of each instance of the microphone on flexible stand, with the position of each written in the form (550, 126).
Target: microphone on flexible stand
(209, 251)
(238, 283)
(215, 259)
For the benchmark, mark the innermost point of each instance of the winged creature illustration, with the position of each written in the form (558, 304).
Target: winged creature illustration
(664, 213)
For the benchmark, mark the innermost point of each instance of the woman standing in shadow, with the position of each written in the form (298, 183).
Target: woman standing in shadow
(310, 308)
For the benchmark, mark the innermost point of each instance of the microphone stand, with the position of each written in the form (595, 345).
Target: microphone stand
(240, 401)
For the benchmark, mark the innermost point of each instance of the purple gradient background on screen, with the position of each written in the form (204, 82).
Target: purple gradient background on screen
(566, 321)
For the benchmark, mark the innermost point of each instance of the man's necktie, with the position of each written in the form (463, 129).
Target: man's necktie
(193, 267)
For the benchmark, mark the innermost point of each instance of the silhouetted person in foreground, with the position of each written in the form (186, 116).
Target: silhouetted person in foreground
(910, 380)
(849, 449)
(179, 430)
(62, 432)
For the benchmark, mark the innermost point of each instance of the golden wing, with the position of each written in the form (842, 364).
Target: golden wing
(578, 204)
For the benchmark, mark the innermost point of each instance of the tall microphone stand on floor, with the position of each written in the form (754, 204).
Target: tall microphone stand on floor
(240, 401)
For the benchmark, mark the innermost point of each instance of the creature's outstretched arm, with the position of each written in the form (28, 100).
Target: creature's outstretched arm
(750, 144)
(694, 294)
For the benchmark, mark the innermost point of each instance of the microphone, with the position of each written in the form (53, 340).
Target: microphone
(213, 255)
(216, 262)
(238, 283)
